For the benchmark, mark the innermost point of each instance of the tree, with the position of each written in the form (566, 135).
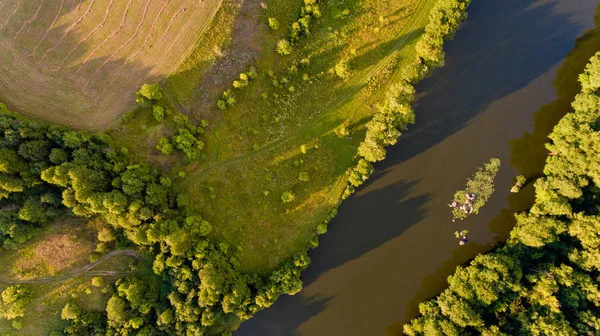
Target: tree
(185, 141)
(14, 300)
(164, 146)
(10, 163)
(148, 95)
(33, 212)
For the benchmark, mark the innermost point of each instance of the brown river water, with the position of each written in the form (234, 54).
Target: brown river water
(510, 75)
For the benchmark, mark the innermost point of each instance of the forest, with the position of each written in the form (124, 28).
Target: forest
(543, 281)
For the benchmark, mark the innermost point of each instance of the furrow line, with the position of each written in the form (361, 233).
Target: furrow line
(137, 30)
(71, 26)
(113, 34)
(31, 19)
(100, 25)
(149, 34)
(180, 10)
(62, 2)
(11, 15)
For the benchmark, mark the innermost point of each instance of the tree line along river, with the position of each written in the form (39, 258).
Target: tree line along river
(510, 75)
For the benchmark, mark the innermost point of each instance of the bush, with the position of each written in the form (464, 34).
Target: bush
(273, 23)
(284, 47)
(164, 146)
(98, 281)
(341, 69)
(182, 200)
(303, 177)
(287, 197)
(158, 112)
(252, 73)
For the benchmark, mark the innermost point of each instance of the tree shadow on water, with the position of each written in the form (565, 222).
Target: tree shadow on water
(353, 233)
(528, 155)
(502, 47)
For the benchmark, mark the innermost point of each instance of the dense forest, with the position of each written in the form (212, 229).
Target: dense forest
(544, 281)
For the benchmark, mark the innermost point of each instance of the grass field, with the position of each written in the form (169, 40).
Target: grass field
(283, 124)
(79, 62)
(264, 144)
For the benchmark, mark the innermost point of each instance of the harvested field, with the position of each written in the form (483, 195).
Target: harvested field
(79, 62)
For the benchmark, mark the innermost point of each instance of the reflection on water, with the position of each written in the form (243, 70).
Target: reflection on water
(391, 245)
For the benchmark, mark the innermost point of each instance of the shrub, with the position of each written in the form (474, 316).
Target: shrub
(252, 73)
(164, 146)
(273, 23)
(341, 69)
(98, 281)
(287, 197)
(303, 177)
(182, 200)
(158, 112)
(284, 47)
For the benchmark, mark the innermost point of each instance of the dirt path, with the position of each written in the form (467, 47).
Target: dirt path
(86, 270)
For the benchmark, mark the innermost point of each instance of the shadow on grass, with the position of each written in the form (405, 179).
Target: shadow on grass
(383, 50)
(52, 84)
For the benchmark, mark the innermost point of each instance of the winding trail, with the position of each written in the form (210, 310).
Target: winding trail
(356, 85)
(86, 270)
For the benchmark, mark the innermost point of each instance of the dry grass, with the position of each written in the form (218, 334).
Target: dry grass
(79, 62)
(67, 242)
(54, 254)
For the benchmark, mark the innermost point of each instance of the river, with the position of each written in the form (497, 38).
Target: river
(509, 76)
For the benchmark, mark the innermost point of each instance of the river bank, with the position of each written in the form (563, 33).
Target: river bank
(391, 245)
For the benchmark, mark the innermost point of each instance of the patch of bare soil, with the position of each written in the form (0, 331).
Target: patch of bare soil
(244, 51)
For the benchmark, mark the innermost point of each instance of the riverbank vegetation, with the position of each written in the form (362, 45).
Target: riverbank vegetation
(228, 201)
(543, 281)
